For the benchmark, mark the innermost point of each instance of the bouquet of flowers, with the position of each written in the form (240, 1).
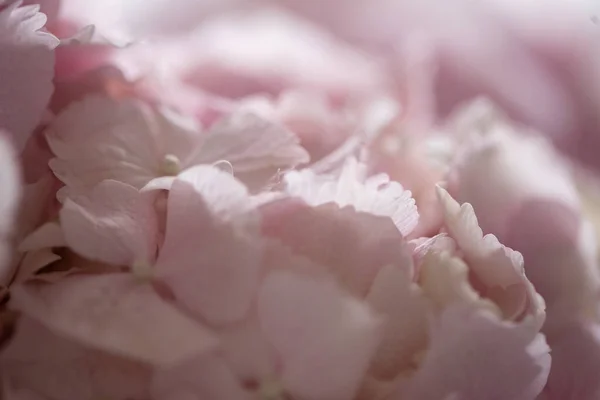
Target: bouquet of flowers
(299, 200)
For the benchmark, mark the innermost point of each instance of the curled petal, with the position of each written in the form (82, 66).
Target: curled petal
(471, 351)
(445, 281)
(498, 269)
(577, 344)
(48, 235)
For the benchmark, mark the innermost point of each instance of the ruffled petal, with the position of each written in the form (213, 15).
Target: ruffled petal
(471, 352)
(499, 270)
(376, 195)
(27, 69)
(352, 245)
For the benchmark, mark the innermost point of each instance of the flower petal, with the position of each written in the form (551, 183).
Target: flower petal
(27, 69)
(376, 195)
(445, 281)
(578, 345)
(61, 369)
(98, 138)
(206, 378)
(471, 351)
(325, 338)
(211, 266)
(116, 314)
(116, 224)
(498, 268)
(397, 299)
(48, 235)
(256, 148)
(352, 245)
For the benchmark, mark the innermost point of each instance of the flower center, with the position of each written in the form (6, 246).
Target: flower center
(142, 271)
(271, 389)
(171, 166)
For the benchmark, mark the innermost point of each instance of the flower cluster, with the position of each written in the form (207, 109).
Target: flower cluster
(224, 200)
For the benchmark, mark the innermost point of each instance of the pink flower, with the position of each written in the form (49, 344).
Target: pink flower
(246, 204)
(302, 301)
(26, 65)
(525, 194)
(130, 142)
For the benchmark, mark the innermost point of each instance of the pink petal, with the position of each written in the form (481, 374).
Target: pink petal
(286, 52)
(211, 267)
(352, 245)
(35, 157)
(512, 169)
(226, 197)
(575, 364)
(115, 314)
(48, 235)
(444, 279)
(255, 147)
(320, 127)
(116, 224)
(561, 256)
(206, 378)
(99, 138)
(498, 268)
(27, 68)
(106, 80)
(33, 262)
(471, 352)
(438, 243)
(37, 205)
(325, 339)
(38, 360)
(401, 303)
(248, 352)
(82, 49)
(49, 7)
(525, 194)
(376, 195)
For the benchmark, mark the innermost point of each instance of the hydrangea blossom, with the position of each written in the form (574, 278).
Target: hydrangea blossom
(232, 201)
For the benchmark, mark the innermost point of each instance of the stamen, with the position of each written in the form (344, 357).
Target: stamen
(142, 271)
(271, 389)
(171, 165)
